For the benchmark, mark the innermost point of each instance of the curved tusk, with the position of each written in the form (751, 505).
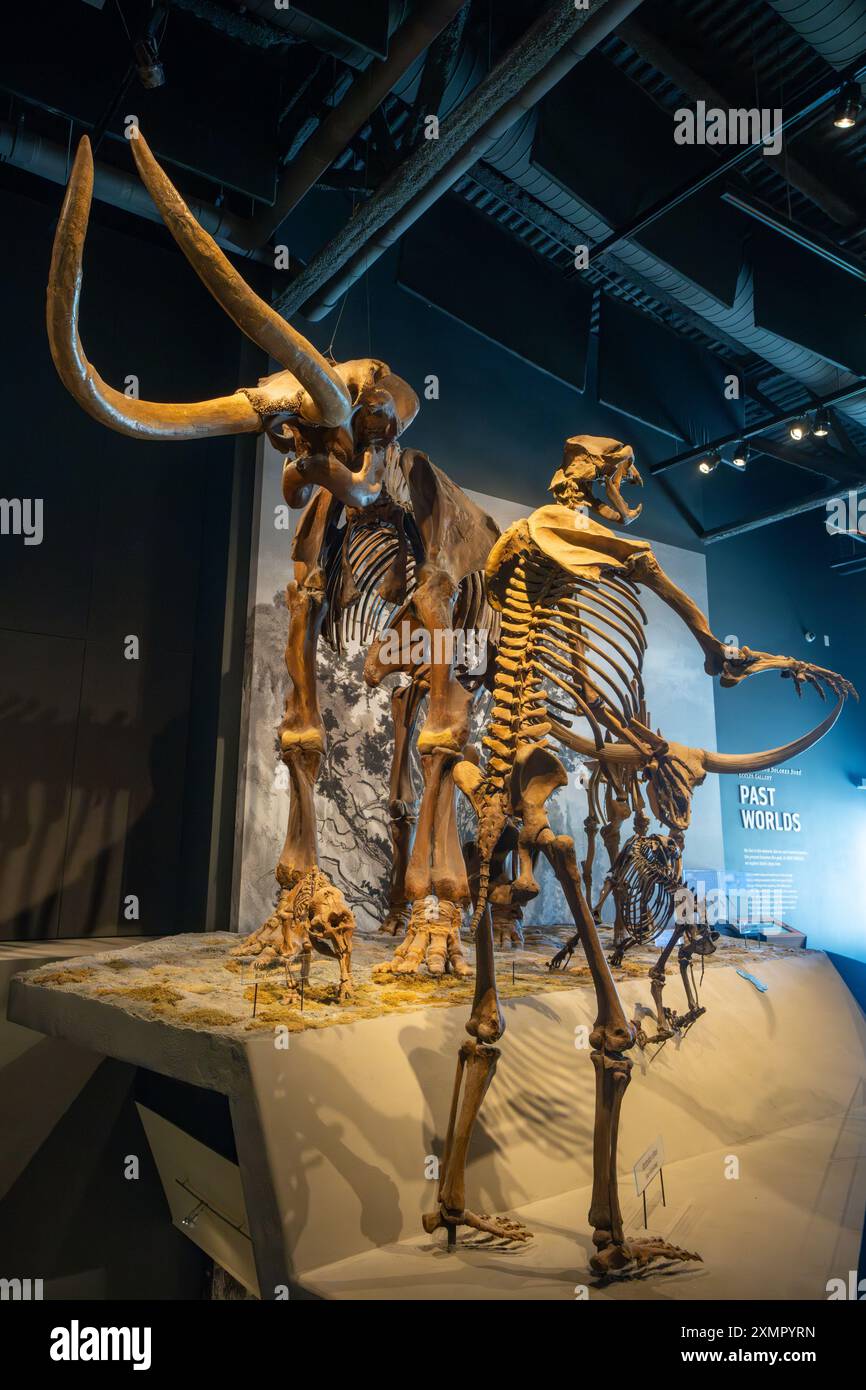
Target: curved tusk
(770, 757)
(329, 403)
(140, 419)
(621, 753)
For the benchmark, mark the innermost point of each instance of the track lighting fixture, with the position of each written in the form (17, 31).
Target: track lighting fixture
(848, 105)
(821, 425)
(740, 456)
(710, 463)
(798, 429)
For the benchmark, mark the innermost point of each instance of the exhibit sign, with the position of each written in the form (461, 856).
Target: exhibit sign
(649, 1165)
(767, 845)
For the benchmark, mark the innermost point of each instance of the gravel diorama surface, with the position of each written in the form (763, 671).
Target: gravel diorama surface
(191, 981)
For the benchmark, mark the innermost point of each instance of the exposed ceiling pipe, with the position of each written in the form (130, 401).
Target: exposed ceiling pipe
(256, 33)
(541, 58)
(340, 126)
(260, 24)
(33, 153)
(835, 28)
(440, 66)
(513, 159)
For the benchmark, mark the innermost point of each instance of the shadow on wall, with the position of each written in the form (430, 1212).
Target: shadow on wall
(74, 1220)
(113, 833)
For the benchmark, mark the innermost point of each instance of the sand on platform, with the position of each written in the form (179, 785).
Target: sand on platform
(193, 981)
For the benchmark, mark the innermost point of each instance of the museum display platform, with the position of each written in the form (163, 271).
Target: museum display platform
(760, 1108)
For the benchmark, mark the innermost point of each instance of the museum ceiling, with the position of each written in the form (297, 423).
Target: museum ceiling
(705, 260)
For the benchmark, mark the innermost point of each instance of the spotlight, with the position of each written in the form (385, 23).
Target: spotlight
(798, 429)
(741, 454)
(848, 105)
(821, 427)
(710, 463)
(151, 73)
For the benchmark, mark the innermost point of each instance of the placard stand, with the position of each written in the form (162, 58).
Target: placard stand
(661, 1178)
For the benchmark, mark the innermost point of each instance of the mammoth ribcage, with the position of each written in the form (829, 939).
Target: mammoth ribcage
(570, 647)
(368, 553)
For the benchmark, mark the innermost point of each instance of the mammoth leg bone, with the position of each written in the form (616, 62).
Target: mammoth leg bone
(434, 879)
(402, 802)
(476, 1064)
(437, 863)
(611, 1037)
(301, 733)
(301, 737)
(436, 867)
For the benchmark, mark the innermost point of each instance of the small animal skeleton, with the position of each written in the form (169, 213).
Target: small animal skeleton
(310, 916)
(571, 648)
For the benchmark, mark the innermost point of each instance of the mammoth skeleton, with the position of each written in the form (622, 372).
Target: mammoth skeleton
(384, 541)
(571, 648)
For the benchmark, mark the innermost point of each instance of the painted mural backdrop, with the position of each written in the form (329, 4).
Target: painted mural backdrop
(352, 791)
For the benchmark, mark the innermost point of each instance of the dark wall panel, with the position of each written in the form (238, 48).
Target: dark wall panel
(496, 287)
(580, 147)
(804, 298)
(73, 58)
(40, 685)
(127, 789)
(100, 773)
(654, 375)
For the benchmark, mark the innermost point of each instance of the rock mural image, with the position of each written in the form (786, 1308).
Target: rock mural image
(352, 789)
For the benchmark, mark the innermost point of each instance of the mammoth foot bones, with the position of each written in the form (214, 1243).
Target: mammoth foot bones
(432, 939)
(632, 1256)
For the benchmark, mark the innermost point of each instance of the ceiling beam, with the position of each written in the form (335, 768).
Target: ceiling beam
(792, 168)
(843, 437)
(809, 241)
(559, 39)
(828, 462)
(740, 528)
(439, 67)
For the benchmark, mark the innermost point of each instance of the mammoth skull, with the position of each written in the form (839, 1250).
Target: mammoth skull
(329, 414)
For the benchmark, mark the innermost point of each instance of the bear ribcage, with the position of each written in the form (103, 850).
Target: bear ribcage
(571, 647)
